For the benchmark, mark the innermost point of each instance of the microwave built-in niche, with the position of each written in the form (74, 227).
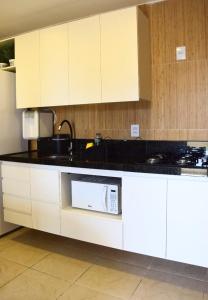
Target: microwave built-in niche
(92, 193)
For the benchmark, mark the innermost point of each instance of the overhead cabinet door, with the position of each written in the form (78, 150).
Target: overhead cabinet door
(84, 61)
(54, 66)
(27, 70)
(119, 55)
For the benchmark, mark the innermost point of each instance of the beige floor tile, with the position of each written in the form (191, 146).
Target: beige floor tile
(77, 292)
(16, 233)
(178, 280)
(52, 242)
(110, 281)
(62, 266)
(39, 238)
(123, 267)
(23, 254)
(179, 268)
(9, 270)
(33, 285)
(126, 257)
(157, 290)
(6, 243)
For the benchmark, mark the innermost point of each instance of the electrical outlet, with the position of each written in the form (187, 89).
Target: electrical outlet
(134, 130)
(181, 53)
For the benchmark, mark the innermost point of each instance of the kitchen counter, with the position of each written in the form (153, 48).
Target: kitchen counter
(130, 166)
(117, 155)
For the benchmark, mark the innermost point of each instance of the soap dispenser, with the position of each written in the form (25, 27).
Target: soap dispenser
(37, 124)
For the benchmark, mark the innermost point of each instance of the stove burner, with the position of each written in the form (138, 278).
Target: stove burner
(188, 160)
(156, 159)
(185, 161)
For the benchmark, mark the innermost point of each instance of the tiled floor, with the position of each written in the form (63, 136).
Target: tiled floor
(41, 266)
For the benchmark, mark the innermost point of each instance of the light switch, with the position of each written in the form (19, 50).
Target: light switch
(134, 130)
(181, 53)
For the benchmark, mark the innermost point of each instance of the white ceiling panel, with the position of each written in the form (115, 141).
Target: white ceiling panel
(18, 16)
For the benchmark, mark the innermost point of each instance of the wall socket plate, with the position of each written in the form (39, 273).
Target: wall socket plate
(181, 53)
(135, 130)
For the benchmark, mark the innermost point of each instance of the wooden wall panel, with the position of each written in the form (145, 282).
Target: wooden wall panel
(179, 106)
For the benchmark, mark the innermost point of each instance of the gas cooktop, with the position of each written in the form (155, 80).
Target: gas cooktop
(193, 158)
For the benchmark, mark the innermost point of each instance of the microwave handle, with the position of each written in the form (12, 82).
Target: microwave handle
(105, 195)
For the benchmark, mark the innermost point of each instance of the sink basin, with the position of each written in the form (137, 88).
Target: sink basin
(56, 156)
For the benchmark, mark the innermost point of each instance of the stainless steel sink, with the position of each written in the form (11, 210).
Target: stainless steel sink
(56, 156)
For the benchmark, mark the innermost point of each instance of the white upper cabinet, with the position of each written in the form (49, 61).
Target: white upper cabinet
(119, 55)
(54, 66)
(104, 58)
(187, 221)
(27, 70)
(84, 61)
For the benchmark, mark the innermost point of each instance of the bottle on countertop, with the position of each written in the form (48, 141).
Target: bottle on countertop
(98, 139)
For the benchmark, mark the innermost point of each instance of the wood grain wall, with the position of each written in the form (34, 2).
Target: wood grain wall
(179, 106)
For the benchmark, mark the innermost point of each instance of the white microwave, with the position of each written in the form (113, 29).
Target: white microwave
(98, 193)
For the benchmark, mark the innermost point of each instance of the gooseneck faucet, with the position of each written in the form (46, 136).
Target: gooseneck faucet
(70, 128)
(71, 135)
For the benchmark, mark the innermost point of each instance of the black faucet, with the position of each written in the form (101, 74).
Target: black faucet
(71, 135)
(70, 128)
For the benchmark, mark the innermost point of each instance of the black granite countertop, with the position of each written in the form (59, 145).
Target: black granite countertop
(130, 166)
(118, 155)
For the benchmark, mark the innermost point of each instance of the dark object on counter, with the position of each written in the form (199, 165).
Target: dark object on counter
(60, 143)
(98, 139)
(55, 145)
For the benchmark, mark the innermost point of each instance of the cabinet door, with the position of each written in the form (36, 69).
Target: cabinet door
(144, 215)
(46, 217)
(15, 172)
(44, 185)
(54, 66)
(92, 227)
(17, 204)
(187, 221)
(27, 70)
(119, 55)
(17, 188)
(84, 61)
(18, 218)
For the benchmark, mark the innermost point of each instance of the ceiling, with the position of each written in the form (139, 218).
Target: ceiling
(18, 16)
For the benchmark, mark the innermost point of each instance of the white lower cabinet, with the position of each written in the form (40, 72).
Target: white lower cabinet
(144, 215)
(92, 227)
(187, 221)
(45, 200)
(16, 194)
(18, 218)
(46, 217)
(16, 187)
(16, 203)
(162, 216)
(31, 197)
(44, 185)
